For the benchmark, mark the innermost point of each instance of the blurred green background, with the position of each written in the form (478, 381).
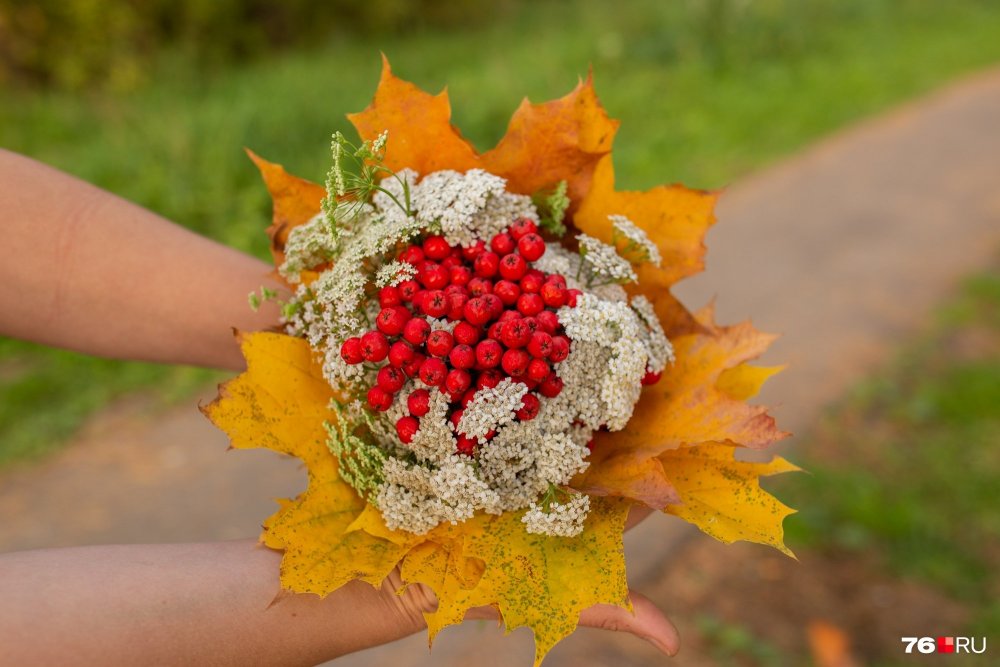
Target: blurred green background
(156, 100)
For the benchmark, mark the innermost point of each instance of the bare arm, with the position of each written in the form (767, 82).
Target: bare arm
(212, 604)
(86, 270)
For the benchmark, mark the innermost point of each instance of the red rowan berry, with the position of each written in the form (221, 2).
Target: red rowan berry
(507, 292)
(551, 386)
(530, 304)
(350, 351)
(486, 265)
(502, 244)
(531, 246)
(457, 381)
(419, 402)
(560, 349)
(406, 428)
(391, 379)
(433, 371)
(439, 343)
(538, 369)
(522, 227)
(412, 255)
(515, 362)
(436, 247)
(488, 353)
(374, 346)
(540, 345)
(400, 353)
(529, 408)
(434, 303)
(513, 267)
(389, 296)
(466, 333)
(379, 399)
(416, 330)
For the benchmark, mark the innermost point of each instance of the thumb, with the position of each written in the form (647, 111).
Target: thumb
(649, 622)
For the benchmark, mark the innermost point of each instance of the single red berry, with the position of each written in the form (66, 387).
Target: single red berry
(391, 379)
(510, 314)
(493, 304)
(408, 289)
(531, 246)
(515, 362)
(503, 244)
(433, 371)
(494, 330)
(548, 321)
(412, 367)
(416, 330)
(480, 286)
(455, 417)
(374, 346)
(470, 253)
(440, 342)
(529, 408)
(571, 296)
(513, 267)
(460, 275)
(419, 402)
(556, 279)
(350, 351)
(379, 399)
(515, 333)
(551, 386)
(507, 292)
(540, 345)
(532, 323)
(477, 310)
(489, 378)
(436, 247)
(530, 304)
(466, 445)
(451, 262)
(651, 377)
(467, 397)
(560, 349)
(486, 264)
(391, 320)
(553, 295)
(488, 353)
(434, 303)
(433, 276)
(532, 282)
(538, 369)
(412, 255)
(457, 381)
(522, 227)
(465, 333)
(462, 356)
(528, 382)
(389, 296)
(400, 353)
(406, 428)
(456, 306)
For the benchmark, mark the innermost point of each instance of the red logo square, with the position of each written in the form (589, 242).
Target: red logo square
(945, 644)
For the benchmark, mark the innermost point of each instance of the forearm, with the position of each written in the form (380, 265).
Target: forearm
(89, 271)
(181, 604)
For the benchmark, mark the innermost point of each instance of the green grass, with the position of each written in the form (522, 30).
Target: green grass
(706, 90)
(908, 467)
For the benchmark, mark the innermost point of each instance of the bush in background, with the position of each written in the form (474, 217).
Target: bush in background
(75, 44)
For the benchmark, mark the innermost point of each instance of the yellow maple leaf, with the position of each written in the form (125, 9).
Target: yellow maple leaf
(676, 454)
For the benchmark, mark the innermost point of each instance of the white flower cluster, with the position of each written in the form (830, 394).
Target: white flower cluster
(394, 272)
(636, 240)
(517, 465)
(561, 519)
(491, 408)
(604, 260)
(470, 206)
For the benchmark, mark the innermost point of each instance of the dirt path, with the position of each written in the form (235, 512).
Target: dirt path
(843, 249)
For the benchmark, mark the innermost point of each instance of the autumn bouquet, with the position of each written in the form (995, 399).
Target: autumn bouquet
(483, 368)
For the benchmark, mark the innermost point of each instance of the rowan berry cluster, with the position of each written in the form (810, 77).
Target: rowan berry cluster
(505, 325)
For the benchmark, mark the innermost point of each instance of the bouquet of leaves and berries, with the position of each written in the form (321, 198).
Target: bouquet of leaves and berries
(483, 368)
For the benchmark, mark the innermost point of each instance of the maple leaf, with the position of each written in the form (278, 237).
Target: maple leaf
(700, 401)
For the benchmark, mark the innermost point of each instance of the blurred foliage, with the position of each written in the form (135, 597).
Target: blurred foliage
(73, 44)
(706, 90)
(908, 466)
